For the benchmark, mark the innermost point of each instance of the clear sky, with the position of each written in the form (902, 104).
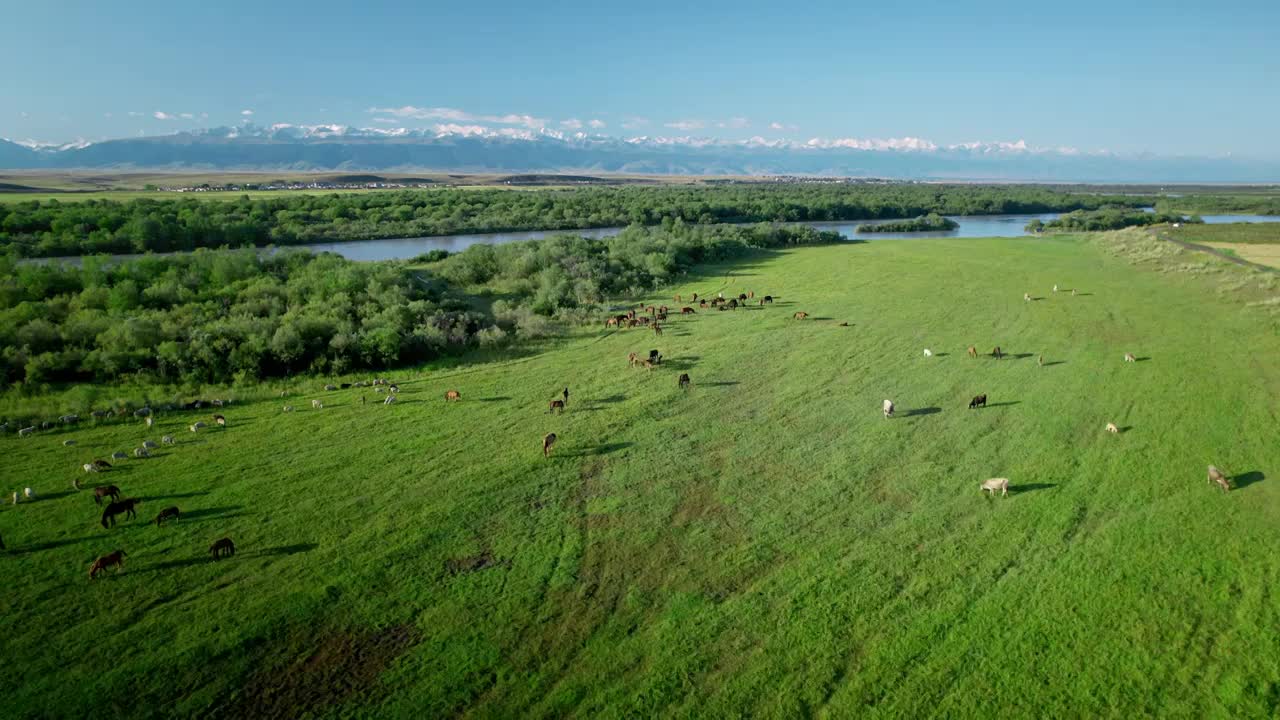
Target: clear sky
(1166, 77)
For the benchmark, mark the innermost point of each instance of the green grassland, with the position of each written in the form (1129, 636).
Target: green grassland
(1267, 233)
(763, 544)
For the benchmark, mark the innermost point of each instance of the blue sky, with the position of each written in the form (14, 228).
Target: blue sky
(1202, 79)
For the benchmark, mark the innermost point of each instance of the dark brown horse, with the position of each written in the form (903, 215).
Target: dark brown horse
(684, 381)
(547, 442)
(101, 564)
(687, 311)
(556, 405)
(122, 507)
(996, 353)
(768, 299)
(978, 401)
(222, 548)
(169, 513)
(102, 491)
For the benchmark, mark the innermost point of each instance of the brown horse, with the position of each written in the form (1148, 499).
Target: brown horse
(169, 513)
(687, 311)
(657, 329)
(547, 442)
(101, 564)
(751, 295)
(684, 381)
(800, 315)
(648, 364)
(678, 299)
(556, 405)
(125, 507)
(102, 464)
(633, 359)
(452, 396)
(742, 297)
(611, 322)
(702, 304)
(995, 353)
(222, 548)
(973, 351)
(102, 491)
(733, 304)
(695, 297)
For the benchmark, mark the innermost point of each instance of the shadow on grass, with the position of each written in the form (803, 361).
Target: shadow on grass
(720, 383)
(1124, 429)
(1002, 404)
(283, 550)
(941, 354)
(1030, 487)
(216, 513)
(1055, 362)
(54, 495)
(52, 544)
(496, 398)
(915, 412)
(1142, 359)
(1244, 480)
(678, 364)
(1020, 356)
(175, 564)
(604, 449)
(610, 399)
(158, 498)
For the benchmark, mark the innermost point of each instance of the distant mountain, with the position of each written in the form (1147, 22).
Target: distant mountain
(336, 147)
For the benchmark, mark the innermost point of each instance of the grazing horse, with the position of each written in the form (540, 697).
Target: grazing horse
(1216, 476)
(733, 304)
(657, 329)
(125, 507)
(684, 381)
(648, 364)
(768, 300)
(687, 311)
(222, 548)
(888, 409)
(169, 513)
(1128, 357)
(101, 564)
(102, 464)
(751, 295)
(742, 297)
(978, 401)
(973, 351)
(656, 357)
(556, 405)
(547, 442)
(800, 315)
(995, 353)
(762, 302)
(695, 297)
(994, 484)
(633, 359)
(102, 491)
(678, 299)
(611, 322)
(702, 304)
(452, 396)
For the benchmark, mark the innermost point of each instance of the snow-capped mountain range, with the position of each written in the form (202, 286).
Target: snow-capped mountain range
(478, 148)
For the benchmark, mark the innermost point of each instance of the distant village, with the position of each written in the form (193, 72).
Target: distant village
(317, 185)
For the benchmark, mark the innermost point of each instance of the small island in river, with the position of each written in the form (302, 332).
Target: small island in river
(932, 222)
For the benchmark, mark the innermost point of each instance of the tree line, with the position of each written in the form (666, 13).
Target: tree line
(1107, 219)
(50, 228)
(933, 222)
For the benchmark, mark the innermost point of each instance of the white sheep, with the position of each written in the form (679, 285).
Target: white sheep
(1128, 357)
(288, 408)
(15, 497)
(390, 399)
(1111, 428)
(150, 421)
(197, 426)
(1026, 296)
(928, 352)
(316, 405)
(1055, 287)
(90, 467)
(68, 443)
(888, 408)
(994, 484)
(29, 493)
(141, 453)
(167, 440)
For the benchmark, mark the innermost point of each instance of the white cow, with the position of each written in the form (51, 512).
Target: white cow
(994, 484)
(888, 408)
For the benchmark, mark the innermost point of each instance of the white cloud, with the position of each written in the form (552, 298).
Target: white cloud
(246, 113)
(161, 115)
(187, 116)
(456, 129)
(685, 125)
(386, 121)
(571, 124)
(596, 123)
(133, 113)
(736, 123)
(782, 126)
(455, 115)
(631, 123)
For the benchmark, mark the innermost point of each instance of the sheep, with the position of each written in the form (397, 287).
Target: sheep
(98, 414)
(90, 468)
(220, 420)
(316, 405)
(29, 494)
(69, 419)
(1111, 428)
(330, 388)
(197, 426)
(390, 400)
(150, 421)
(928, 352)
(1216, 476)
(394, 389)
(168, 440)
(150, 444)
(141, 452)
(1055, 287)
(283, 393)
(888, 409)
(1128, 357)
(1073, 292)
(288, 408)
(26, 431)
(1026, 296)
(119, 455)
(994, 484)
(68, 443)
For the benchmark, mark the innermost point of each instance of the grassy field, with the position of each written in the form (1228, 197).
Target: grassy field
(763, 544)
(1255, 242)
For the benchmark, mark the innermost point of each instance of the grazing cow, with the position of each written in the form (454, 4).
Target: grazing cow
(168, 440)
(995, 353)
(391, 400)
(198, 426)
(978, 401)
(120, 507)
(556, 405)
(452, 396)
(110, 559)
(26, 431)
(1128, 357)
(169, 513)
(150, 421)
(547, 442)
(928, 352)
(687, 311)
(141, 452)
(28, 493)
(288, 408)
(317, 405)
(973, 351)
(994, 484)
(102, 491)
(221, 421)
(150, 444)
(119, 455)
(800, 315)
(222, 548)
(1216, 476)
(888, 408)
(684, 381)
(1111, 428)
(656, 357)
(657, 329)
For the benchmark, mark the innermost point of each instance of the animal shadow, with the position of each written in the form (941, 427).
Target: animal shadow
(285, 550)
(1244, 480)
(678, 364)
(1055, 362)
(175, 564)
(1002, 404)
(922, 411)
(158, 498)
(604, 449)
(720, 383)
(610, 399)
(52, 544)
(1141, 359)
(941, 354)
(1020, 356)
(1124, 429)
(1030, 487)
(496, 398)
(215, 513)
(54, 495)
